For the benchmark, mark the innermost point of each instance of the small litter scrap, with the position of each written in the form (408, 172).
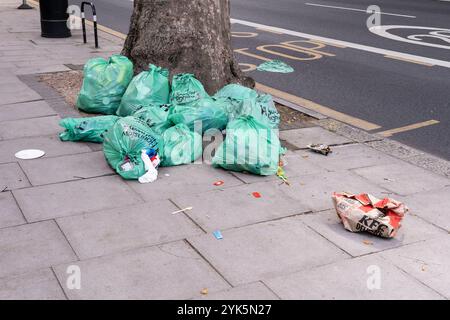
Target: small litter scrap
(151, 162)
(182, 210)
(365, 212)
(282, 175)
(275, 66)
(320, 148)
(256, 195)
(218, 235)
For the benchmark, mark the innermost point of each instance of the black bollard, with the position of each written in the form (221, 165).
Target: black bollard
(54, 18)
(24, 5)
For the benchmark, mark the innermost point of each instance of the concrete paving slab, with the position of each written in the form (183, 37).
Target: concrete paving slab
(75, 197)
(329, 226)
(33, 246)
(294, 165)
(10, 212)
(30, 127)
(403, 179)
(300, 138)
(182, 180)
(15, 59)
(427, 261)
(235, 207)
(432, 206)
(110, 231)
(15, 86)
(66, 168)
(25, 110)
(6, 65)
(12, 177)
(252, 291)
(148, 273)
(353, 279)
(36, 285)
(316, 190)
(50, 144)
(13, 97)
(349, 157)
(266, 250)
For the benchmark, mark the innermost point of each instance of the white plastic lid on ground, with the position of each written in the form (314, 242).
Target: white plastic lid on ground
(29, 154)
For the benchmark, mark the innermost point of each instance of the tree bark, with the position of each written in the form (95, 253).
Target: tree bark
(185, 36)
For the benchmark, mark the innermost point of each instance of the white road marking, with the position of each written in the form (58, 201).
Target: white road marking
(360, 10)
(384, 52)
(435, 33)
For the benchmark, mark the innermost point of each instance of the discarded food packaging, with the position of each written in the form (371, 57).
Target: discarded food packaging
(320, 148)
(365, 212)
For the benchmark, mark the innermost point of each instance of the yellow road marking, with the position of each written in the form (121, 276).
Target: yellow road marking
(244, 52)
(313, 49)
(411, 61)
(107, 30)
(414, 126)
(359, 123)
(250, 67)
(270, 31)
(312, 55)
(237, 34)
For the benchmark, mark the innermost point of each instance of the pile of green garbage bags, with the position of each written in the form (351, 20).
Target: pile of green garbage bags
(147, 120)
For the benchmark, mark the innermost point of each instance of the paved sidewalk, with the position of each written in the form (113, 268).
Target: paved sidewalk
(69, 208)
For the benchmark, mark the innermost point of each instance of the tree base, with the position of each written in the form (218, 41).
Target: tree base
(190, 36)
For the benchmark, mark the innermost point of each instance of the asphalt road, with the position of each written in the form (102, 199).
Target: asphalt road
(353, 79)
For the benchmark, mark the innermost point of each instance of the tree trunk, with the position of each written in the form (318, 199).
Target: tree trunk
(185, 36)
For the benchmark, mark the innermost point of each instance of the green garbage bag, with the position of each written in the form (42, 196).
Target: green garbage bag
(186, 89)
(86, 129)
(266, 111)
(155, 117)
(236, 92)
(123, 144)
(205, 112)
(261, 108)
(181, 146)
(249, 145)
(275, 66)
(245, 101)
(104, 84)
(147, 88)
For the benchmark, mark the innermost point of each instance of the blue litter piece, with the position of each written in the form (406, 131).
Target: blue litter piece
(218, 234)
